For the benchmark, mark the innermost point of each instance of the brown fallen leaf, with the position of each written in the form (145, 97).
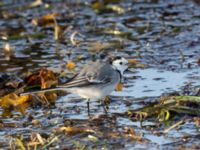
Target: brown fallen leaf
(35, 122)
(198, 61)
(49, 98)
(96, 47)
(44, 78)
(196, 121)
(47, 20)
(130, 132)
(74, 130)
(114, 135)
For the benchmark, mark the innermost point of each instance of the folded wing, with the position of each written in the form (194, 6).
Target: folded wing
(89, 75)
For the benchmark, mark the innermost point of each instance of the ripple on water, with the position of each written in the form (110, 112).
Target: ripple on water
(154, 82)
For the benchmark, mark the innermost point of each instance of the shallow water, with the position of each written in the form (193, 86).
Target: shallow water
(163, 36)
(154, 82)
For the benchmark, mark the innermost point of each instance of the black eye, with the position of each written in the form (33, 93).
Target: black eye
(120, 63)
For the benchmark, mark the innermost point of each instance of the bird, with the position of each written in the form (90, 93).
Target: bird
(95, 80)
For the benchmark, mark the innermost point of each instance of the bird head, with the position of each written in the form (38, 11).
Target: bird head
(120, 64)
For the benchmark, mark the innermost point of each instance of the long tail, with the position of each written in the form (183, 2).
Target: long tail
(41, 90)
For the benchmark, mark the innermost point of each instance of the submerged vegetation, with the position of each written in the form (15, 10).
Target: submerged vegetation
(44, 43)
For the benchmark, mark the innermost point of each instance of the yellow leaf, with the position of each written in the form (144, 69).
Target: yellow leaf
(21, 100)
(71, 130)
(71, 65)
(22, 108)
(132, 62)
(119, 87)
(20, 143)
(6, 112)
(13, 101)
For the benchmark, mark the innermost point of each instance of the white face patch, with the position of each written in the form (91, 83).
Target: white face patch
(120, 64)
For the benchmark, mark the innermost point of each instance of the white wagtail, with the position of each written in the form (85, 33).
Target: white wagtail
(95, 81)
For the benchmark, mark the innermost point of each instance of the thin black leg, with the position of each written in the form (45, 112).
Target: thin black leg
(104, 106)
(88, 106)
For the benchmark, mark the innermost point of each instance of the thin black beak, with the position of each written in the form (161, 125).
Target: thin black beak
(126, 71)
